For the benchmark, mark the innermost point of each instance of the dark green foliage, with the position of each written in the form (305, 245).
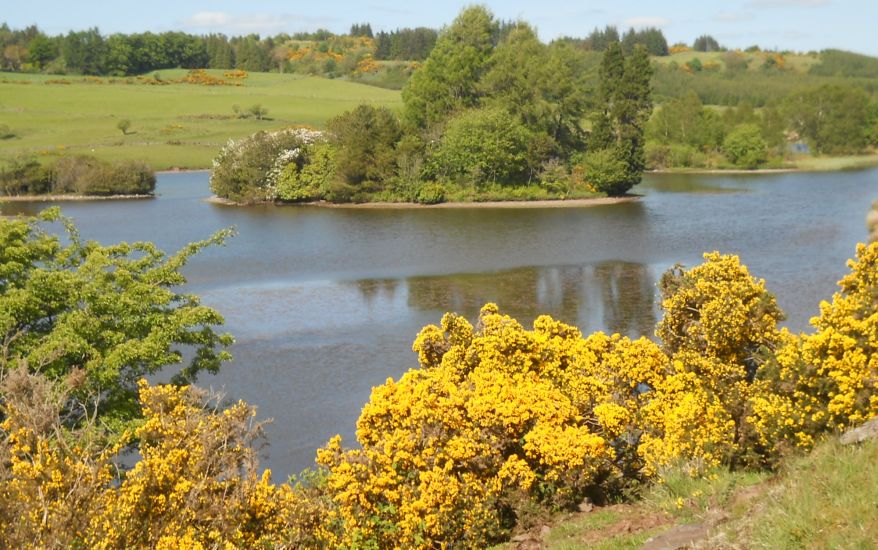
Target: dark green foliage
(103, 315)
(650, 38)
(624, 107)
(364, 29)
(365, 139)
(25, 177)
(41, 50)
(220, 54)
(251, 54)
(706, 43)
(80, 175)
(745, 147)
(833, 119)
(405, 44)
(848, 64)
(85, 52)
(599, 40)
(448, 81)
(541, 85)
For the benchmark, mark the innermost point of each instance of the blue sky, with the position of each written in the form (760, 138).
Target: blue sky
(785, 24)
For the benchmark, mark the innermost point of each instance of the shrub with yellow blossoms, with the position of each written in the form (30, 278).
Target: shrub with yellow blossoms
(719, 328)
(497, 418)
(195, 486)
(826, 381)
(497, 422)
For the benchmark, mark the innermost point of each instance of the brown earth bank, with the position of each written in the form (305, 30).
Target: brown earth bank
(53, 198)
(728, 171)
(557, 203)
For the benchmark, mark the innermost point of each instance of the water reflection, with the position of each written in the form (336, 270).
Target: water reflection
(325, 303)
(616, 296)
(628, 292)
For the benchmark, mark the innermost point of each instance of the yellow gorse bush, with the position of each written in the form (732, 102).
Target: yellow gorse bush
(496, 416)
(826, 381)
(195, 486)
(498, 421)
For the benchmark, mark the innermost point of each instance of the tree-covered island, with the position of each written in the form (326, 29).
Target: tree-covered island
(490, 115)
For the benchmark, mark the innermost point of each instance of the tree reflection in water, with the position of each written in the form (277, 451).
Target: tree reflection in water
(612, 296)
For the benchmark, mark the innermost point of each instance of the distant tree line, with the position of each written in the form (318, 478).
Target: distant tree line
(599, 40)
(77, 175)
(829, 119)
(405, 44)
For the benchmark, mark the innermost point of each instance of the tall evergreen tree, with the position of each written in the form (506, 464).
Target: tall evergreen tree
(448, 81)
(624, 106)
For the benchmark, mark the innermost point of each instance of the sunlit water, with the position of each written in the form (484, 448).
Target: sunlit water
(324, 303)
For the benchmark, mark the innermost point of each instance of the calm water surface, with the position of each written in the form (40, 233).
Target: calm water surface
(324, 303)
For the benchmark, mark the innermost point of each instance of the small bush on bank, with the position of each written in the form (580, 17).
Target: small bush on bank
(249, 169)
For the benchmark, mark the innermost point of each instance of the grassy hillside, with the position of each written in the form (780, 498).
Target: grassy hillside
(175, 125)
(826, 499)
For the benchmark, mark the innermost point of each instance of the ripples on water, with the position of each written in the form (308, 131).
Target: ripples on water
(325, 303)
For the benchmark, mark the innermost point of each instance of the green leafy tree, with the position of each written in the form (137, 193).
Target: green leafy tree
(624, 107)
(448, 80)
(106, 315)
(42, 50)
(685, 120)
(309, 176)
(543, 86)
(605, 172)
(745, 147)
(833, 119)
(482, 146)
(365, 139)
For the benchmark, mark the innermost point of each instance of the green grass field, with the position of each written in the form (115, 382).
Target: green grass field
(172, 126)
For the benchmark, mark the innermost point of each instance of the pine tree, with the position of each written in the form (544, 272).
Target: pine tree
(624, 104)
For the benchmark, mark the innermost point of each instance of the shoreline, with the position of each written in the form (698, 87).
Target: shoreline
(182, 171)
(551, 203)
(69, 198)
(733, 171)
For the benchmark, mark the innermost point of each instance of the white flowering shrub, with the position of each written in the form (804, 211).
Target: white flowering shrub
(267, 166)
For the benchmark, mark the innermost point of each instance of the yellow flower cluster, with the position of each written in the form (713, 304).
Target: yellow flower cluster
(195, 485)
(826, 381)
(719, 329)
(496, 416)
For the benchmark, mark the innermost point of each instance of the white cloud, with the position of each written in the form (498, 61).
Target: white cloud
(729, 17)
(253, 23)
(647, 22)
(786, 3)
(208, 19)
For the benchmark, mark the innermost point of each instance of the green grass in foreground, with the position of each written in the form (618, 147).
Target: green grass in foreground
(826, 499)
(173, 126)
